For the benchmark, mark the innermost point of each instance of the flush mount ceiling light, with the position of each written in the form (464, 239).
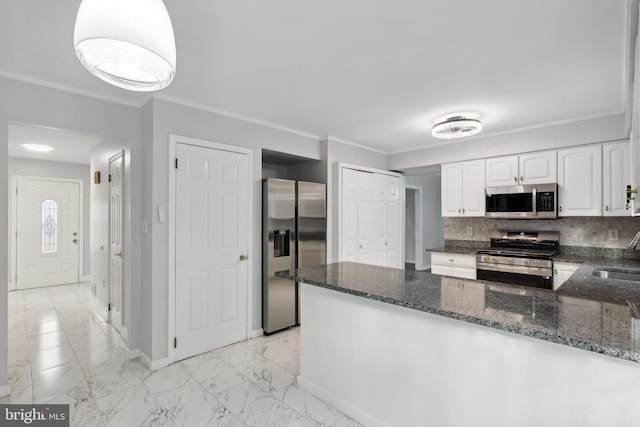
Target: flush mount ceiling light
(129, 44)
(456, 127)
(37, 147)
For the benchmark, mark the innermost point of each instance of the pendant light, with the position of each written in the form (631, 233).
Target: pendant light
(456, 127)
(127, 43)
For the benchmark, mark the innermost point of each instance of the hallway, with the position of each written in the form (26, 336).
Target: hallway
(62, 351)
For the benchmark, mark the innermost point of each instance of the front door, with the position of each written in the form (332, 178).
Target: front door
(115, 240)
(47, 232)
(212, 199)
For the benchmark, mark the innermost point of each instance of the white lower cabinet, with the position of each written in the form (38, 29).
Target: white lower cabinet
(561, 272)
(454, 265)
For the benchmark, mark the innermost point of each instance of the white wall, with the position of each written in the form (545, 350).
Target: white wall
(99, 248)
(31, 167)
(603, 129)
(29, 104)
(432, 221)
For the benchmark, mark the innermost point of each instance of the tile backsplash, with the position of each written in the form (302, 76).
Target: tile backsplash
(574, 231)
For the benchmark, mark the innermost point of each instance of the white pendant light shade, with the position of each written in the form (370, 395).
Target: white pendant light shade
(127, 43)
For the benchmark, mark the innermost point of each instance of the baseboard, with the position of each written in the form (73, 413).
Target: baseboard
(153, 365)
(5, 390)
(256, 333)
(340, 404)
(101, 308)
(423, 267)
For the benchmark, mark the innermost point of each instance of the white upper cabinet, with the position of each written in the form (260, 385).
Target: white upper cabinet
(451, 174)
(616, 175)
(580, 181)
(473, 198)
(502, 171)
(538, 168)
(463, 189)
(531, 168)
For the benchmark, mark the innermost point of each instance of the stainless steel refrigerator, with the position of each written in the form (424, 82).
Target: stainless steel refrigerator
(294, 224)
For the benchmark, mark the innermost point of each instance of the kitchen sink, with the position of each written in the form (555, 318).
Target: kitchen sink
(630, 275)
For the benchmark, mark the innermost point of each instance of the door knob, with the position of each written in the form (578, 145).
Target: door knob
(118, 254)
(75, 240)
(243, 257)
(75, 233)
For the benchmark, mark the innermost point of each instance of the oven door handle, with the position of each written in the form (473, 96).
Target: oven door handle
(518, 269)
(534, 194)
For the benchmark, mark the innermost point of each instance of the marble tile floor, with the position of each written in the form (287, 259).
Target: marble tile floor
(62, 351)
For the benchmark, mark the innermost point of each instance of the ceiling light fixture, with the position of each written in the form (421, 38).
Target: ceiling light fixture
(456, 127)
(37, 147)
(129, 44)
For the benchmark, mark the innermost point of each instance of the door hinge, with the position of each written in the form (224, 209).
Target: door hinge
(109, 307)
(176, 163)
(175, 343)
(109, 177)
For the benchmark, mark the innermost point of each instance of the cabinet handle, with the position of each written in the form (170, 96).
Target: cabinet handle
(386, 243)
(450, 260)
(462, 210)
(560, 208)
(555, 271)
(515, 178)
(360, 246)
(458, 210)
(521, 178)
(606, 208)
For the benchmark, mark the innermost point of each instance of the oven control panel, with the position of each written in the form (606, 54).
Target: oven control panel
(507, 260)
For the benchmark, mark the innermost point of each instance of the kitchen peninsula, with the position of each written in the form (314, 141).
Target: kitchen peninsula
(391, 347)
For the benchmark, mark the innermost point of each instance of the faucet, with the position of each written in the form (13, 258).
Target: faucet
(634, 242)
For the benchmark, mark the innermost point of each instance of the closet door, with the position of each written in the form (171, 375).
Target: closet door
(349, 244)
(380, 214)
(393, 227)
(366, 218)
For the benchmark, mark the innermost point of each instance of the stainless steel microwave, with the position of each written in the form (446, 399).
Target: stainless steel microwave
(522, 201)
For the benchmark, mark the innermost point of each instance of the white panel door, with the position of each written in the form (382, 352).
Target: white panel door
(451, 193)
(366, 218)
(473, 189)
(538, 168)
(212, 192)
(394, 227)
(47, 225)
(380, 214)
(116, 175)
(580, 181)
(616, 175)
(502, 171)
(349, 219)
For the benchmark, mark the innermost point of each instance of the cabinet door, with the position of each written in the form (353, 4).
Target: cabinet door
(616, 175)
(394, 226)
(451, 189)
(502, 171)
(366, 218)
(538, 168)
(580, 181)
(349, 240)
(473, 195)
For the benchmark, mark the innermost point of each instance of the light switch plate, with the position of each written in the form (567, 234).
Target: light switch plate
(613, 234)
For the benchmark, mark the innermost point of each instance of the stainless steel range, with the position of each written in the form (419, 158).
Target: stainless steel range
(519, 257)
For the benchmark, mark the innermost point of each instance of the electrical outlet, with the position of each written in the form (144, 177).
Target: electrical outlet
(469, 231)
(613, 234)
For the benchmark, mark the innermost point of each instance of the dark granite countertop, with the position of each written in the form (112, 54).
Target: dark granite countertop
(586, 312)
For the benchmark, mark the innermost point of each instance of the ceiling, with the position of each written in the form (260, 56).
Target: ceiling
(67, 147)
(375, 73)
